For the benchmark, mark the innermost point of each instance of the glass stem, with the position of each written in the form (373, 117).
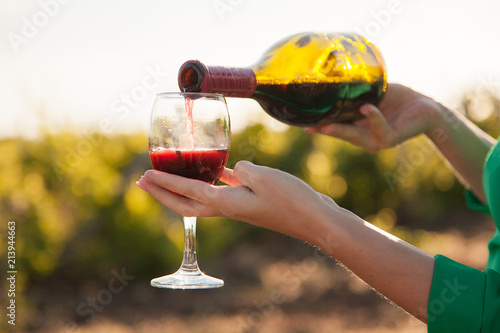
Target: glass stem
(189, 261)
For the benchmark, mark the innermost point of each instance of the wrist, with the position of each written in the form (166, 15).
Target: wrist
(441, 120)
(333, 226)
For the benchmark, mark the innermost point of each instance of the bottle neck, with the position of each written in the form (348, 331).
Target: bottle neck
(194, 76)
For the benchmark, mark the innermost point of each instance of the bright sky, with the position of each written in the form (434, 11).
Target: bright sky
(78, 63)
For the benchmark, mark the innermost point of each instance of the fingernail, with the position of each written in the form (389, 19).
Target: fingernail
(364, 111)
(328, 128)
(138, 183)
(308, 130)
(145, 174)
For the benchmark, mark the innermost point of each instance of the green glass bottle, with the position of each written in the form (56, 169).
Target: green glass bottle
(304, 80)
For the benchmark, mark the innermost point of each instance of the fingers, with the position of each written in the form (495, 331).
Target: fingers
(243, 171)
(372, 133)
(188, 187)
(228, 177)
(379, 126)
(310, 130)
(351, 133)
(200, 198)
(268, 183)
(254, 177)
(182, 205)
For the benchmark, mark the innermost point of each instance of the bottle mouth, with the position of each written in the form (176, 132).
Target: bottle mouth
(191, 75)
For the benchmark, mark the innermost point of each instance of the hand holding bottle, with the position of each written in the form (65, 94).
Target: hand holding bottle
(405, 113)
(402, 114)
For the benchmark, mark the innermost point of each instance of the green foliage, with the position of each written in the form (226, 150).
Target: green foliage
(75, 204)
(79, 213)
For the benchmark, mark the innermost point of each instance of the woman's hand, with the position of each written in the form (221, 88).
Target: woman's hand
(278, 201)
(402, 114)
(259, 195)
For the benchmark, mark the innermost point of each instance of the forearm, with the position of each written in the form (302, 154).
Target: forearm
(396, 269)
(463, 144)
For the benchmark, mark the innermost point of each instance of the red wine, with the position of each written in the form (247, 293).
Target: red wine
(202, 164)
(306, 104)
(188, 105)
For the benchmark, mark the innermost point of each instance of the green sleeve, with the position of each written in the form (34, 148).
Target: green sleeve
(474, 203)
(463, 299)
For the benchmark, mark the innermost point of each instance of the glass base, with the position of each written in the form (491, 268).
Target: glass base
(183, 279)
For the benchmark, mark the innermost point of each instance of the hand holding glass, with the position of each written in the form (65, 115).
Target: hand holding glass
(189, 136)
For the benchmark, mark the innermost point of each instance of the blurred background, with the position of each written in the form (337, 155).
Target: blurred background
(77, 86)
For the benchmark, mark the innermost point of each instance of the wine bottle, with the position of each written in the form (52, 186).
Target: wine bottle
(304, 80)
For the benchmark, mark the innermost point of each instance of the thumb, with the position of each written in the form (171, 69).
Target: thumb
(242, 172)
(252, 176)
(376, 119)
(228, 177)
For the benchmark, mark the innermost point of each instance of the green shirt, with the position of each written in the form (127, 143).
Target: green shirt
(464, 299)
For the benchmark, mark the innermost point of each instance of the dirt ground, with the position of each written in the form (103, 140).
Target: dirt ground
(289, 287)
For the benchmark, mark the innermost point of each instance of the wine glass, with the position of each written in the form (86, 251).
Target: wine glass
(189, 136)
